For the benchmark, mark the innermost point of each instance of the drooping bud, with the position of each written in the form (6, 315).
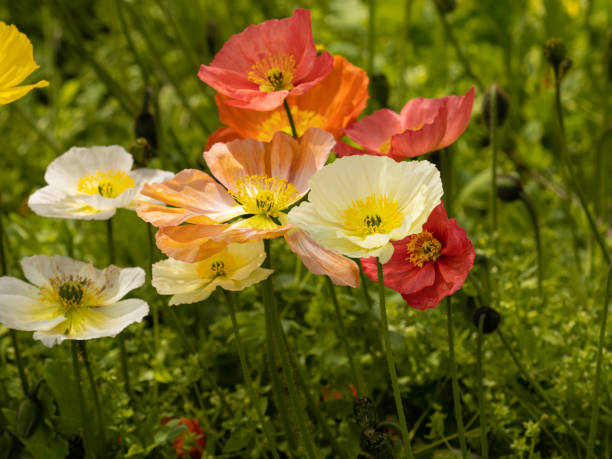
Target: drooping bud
(376, 443)
(364, 411)
(509, 188)
(446, 6)
(491, 319)
(380, 89)
(502, 104)
(554, 49)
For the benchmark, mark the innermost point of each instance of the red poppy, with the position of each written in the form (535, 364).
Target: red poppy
(196, 450)
(423, 126)
(259, 67)
(430, 265)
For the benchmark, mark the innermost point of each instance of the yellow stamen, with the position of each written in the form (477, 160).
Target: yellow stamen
(108, 184)
(422, 248)
(220, 265)
(261, 195)
(375, 214)
(273, 73)
(278, 121)
(385, 146)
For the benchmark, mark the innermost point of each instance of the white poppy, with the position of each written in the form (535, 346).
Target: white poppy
(358, 204)
(235, 268)
(69, 299)
(92, 183)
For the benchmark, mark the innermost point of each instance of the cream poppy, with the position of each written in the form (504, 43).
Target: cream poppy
(357, 205)
(234, 268)
(92, 183)
(69, 299)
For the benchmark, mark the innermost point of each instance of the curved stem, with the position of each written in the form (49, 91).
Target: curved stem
(94, 390)
(539, 389)
(247, 376)
(290, 118)
(455, 382)
(597, 386)
(538, 240)
(384, 327)
(484, 447)
(355, 369)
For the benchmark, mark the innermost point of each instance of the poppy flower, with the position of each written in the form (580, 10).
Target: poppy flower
(92, 183)
(262, 65)
(259, 181)
(332, 104)
(423, 126)
(357, 205)
(16, 64)
(199, 443)
(428, 266)
(234, 268)
(69, 299)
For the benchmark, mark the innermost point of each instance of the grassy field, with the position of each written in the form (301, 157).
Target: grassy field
(537, 372)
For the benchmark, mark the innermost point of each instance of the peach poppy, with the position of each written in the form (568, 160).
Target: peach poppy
(423, 126)
(258, 183)
(332, 104)
(262, 65)
(430, 265)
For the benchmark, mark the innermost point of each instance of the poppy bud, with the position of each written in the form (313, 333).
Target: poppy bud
(376, 443)
(608, 57)
(502, 103)
(446, 6)
(212, 37)
(144, 126)
(380, 89)
(364, 411)
(27, 416)
(141, 151)
(491, 319)
(509, 188)
(554, 49)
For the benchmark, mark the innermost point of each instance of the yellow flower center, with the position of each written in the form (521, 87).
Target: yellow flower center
(422, 248)
(278, 121)
(261, 195)
(69, 293)
(273, 73)
(108, 184)
(385, 146)
(375, 214)
(220, 265)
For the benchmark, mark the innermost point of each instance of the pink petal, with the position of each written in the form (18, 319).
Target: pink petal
(423, 140)
(375, 129)
(459, 111)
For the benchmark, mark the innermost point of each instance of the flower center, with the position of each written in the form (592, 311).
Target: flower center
(261, 195)
(273, 73)
(217, 266)
(385, 146)
(278, 121)
(108, 184)
(375, 214)
(422, 248)
(69, 293)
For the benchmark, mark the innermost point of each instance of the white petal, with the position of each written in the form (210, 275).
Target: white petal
(195, 296)
(66, 171)
(176, 277)
(55, 203)
(249, 256)
(116, 282)
(38, 269)
(99, 202)
(254, 277)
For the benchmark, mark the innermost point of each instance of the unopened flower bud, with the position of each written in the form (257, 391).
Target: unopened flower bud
(554, 49)
(380, 89)
(212, 37)
(509, 188)
(27, 417)
(491, 319)
(364, 411)
(502, 104)
(376, 443)
(446, 6)
(144, 125)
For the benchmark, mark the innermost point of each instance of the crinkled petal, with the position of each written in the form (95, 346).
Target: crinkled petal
(55, 203)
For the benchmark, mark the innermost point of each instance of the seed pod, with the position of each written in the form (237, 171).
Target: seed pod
(491, 319)
(364, 411)
(446, 6)
(502, 104)
(509, 188)
(376, 443)
(380, 89)
(27, 417)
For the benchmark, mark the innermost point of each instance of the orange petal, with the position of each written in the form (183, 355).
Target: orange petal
(190, 243)
(340, 269)
(160, 215)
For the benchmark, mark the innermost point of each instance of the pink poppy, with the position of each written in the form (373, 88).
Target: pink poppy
(430, 265)
(423, 126)
(262, 65)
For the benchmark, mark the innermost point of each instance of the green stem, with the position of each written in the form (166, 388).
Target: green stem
(282, 348)
(484, 447)
(354, 364)
(538, 240)
(446, 166)
(83, 351)
(384, 328)
(493, 141)
(87, 440)
(364, 285)
(154, 305)
(539, 390)
(247, 376)
(110, 241)
(597, 386)
(455, 382)
(290, 118)
(277, 387)
(573, 181)
(371, 35)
